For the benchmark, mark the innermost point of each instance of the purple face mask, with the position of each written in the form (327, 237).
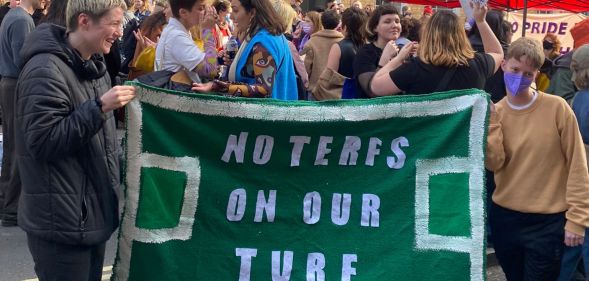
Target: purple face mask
(516, 83)
(306, 27)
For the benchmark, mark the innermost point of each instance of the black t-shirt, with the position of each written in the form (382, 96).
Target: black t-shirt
(366, 61)
(416, 77)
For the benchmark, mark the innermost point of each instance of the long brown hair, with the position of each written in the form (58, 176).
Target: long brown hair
(265, 17)
(444, 42)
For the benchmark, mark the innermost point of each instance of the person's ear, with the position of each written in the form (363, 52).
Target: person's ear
(503, 65)
(83, 21)
(183, 13)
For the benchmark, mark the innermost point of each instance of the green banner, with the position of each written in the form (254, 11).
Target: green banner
(231, 189)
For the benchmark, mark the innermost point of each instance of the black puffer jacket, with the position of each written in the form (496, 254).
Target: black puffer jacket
(66, 146)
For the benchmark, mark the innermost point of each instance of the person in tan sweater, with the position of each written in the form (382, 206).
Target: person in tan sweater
(316, 51)
(537, 153)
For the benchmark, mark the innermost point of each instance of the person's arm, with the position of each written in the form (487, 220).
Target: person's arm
(51, 125)
(333, 58)
(142, 43)
(309, 56)
(495, 159)
(264, 67)
(490, 41)
(382, 84)
(19, 29)
(208, 67)
(577, 189)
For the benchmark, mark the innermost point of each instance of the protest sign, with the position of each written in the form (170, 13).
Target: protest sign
(255, 189)
(537, 25)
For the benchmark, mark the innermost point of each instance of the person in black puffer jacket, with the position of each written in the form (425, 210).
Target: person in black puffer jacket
(66, 141)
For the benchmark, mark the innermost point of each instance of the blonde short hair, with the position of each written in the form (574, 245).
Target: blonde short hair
(285, 13)
(530, 48)
(94, 8)
(444, 42)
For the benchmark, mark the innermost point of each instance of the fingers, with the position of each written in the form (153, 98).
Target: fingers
(573, 240)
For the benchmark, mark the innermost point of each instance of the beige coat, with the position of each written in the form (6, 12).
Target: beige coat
(316, 52)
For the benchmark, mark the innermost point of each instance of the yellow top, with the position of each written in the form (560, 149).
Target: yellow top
(542, 82)
(539, 160)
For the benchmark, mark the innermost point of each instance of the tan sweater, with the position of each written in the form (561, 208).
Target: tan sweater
(539, 160)
(316, 52)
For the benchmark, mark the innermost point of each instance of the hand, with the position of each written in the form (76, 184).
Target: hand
(389, 52)
(210, 18)
(117, 97)
(142, 41)
(572, 239)
(408, 50)
(199, 87)
(479, 11)
(492, 107)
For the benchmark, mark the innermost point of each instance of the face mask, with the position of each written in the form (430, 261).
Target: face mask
(516, 83)
(547, 45)
(306, 27)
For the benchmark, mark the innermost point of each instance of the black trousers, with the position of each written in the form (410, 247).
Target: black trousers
(61, 262)
(528, 246)
(10, 184)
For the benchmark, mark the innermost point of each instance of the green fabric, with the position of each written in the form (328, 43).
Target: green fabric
(412, 167)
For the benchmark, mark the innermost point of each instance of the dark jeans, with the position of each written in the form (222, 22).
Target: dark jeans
(61, 262)
(528, 246)
(571, 258)
(9, 177)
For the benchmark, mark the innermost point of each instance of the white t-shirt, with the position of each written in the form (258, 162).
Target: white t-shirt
(177, 51)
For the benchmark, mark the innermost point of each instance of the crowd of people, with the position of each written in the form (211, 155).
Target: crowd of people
(63, 63)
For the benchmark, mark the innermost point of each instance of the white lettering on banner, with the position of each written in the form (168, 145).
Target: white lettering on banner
(235, 147)
(263, 149)
(312, 207)
(236, 205)
(347, 269)
(297, 149)
(246, 255)
(315, 266)
(322, 150)
(282, 270)
(340, 209)
(267, 206)
(370, 214)
(349, 154)
(396, 145)
(373, 150)
(277, 273)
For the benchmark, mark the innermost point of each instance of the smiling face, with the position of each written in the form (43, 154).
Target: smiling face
(101, 34)
(389, 27)
(241, 18)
